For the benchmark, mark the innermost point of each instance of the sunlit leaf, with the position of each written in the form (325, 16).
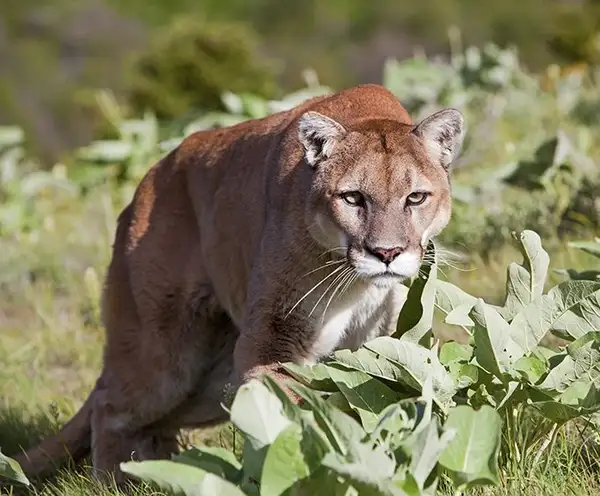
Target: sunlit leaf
(472, 455)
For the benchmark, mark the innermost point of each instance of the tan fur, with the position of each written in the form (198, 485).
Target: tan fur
(215, 258)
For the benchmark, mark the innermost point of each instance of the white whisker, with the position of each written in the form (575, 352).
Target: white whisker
(347, 275)
(328, 288)
(348, 284)
(330, 250)
(324, 266)
(312, 289)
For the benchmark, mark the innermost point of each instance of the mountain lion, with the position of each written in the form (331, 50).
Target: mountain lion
(278, 239)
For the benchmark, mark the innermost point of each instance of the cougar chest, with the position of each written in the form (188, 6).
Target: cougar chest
(363, 313)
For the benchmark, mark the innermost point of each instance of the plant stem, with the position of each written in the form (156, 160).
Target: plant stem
(549, 439)
(552, 443)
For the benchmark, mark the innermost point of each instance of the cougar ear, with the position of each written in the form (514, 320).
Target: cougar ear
(319, 135)
(442, 134)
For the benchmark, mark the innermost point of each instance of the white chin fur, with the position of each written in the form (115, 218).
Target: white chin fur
(404, 266)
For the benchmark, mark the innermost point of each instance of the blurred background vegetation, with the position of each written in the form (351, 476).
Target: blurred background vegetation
(54, 54)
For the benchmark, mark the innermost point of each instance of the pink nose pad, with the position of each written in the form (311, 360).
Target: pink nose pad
(386, 255)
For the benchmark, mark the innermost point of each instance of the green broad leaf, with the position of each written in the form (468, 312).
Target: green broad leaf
(448, 297)
(453, 352)
(416, 316)
(542, 353)
(290, 410)
(581, 347)
(366, 395)
(369, 362)
(339, 401)
(416, 364)
(548, 159)
(258, 413)
(425, 406)
(168, 475)
(11, 470)
(352, 459)
(561, 375)
(591, 247)
(560, 413)
(11, 136)
(459, 316)
(314, 376)
(285, 464)
(405, 480)
(322, 481)
(454, 303)
(371, 472)
(531, 368)
(507, 395)
(425, 448)
(317, 441)
(394, 419)
(481, 396)
(216, 460)
(464, 374)
(525, 282)
(585, 351)
(253, 459)
(341, 430)
(254, 107)
(582, 393)
(472, 455)
(574, 380)
(575, 307)
(576, 275)
(495, 351)
(212, 484)
(571, 306)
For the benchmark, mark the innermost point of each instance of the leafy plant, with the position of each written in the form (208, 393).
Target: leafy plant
(293, 450)
(10, 470)
(591, 247)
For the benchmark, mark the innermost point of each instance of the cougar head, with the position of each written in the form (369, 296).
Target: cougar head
(381, 189)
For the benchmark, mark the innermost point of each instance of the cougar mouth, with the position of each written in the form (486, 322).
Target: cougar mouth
(369, 266)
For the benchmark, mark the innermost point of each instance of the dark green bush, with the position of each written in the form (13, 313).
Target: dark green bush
(191, 63)
(575, 31)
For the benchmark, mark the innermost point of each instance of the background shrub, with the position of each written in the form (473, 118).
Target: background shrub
(189, 64)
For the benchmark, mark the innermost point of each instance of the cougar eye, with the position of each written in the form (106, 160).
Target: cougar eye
(416, 198)
(353, 198)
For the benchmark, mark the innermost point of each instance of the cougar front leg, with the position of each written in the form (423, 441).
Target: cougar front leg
(263, 348)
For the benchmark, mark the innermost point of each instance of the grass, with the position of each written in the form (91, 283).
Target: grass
(51, 340)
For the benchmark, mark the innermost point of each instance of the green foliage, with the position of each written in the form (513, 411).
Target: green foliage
(394, 417)
(10, 469)
(190, 64)
(591, 247)
(575, 32)
(293, 450)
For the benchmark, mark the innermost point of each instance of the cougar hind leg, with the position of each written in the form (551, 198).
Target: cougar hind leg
(148, 383)
(113, 444)
(214, 393)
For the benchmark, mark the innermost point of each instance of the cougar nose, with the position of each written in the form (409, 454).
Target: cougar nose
(386, 255)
